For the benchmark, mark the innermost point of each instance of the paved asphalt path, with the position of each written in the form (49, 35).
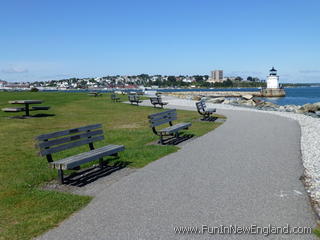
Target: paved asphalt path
(245, 172)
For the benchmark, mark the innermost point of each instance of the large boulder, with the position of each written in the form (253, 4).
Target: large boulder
(292, 108)
(247, 96)
(228, 101)
(269, 105)
(249, 103)
(196, 98)
(257, 101)
(311, 107)
(217, 100)
(317, 104)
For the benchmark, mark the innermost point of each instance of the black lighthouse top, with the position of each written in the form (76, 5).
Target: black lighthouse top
(273, 72)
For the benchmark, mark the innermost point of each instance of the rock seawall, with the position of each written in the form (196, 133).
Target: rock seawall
(263, 93)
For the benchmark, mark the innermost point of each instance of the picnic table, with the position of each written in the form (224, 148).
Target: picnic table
(26, 107)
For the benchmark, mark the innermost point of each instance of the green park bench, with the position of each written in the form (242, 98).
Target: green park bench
(115, 98)
(165, 117)
(71, 138)
(204, 111)
(157, 101)
(134, 98)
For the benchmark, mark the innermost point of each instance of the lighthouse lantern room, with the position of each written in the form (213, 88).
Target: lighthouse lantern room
(273, 79)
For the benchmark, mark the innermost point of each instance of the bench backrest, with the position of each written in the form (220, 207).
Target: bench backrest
(154, 100)
(201, 106)
(63, 140)
(113, 96)
(157, 119)
(133, 98)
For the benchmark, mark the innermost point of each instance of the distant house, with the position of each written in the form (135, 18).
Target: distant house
(130, 86)
(17, 85)
(3, 83)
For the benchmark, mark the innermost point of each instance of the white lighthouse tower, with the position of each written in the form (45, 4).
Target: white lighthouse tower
(273, 79)
(273, 88)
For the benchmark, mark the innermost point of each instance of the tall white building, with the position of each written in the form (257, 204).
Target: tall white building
(216, 76)
(273, 79)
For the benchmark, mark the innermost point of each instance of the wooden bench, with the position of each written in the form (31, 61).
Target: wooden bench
(158, 119)
(204, 111)
(133, 98)
(63, 140)
(157, 101)
(115, 98)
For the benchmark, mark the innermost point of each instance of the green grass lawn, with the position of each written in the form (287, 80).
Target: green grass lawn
(25, 210)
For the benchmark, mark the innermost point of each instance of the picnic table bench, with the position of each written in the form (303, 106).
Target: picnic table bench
(67, 139)
(95, 94)
(157, 101)
(161, 118)
(115, 98)
(134, 98)
(26, 107)
(204, 111)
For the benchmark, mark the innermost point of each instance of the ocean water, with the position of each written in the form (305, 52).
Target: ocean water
(294, 96)
(298, 96)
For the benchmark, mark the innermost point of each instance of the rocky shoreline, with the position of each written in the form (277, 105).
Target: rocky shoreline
(251, 101)
(312, 110)
(262, 93)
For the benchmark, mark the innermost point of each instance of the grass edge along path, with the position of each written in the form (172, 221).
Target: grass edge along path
(25, 210)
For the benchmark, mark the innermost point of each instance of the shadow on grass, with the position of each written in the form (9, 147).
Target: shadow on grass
(209, 119)
(176, 141)
(83, 177)
(41, 115)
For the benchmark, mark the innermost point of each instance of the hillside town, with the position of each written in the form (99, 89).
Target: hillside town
(216, 79)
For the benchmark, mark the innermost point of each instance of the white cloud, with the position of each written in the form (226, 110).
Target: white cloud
(14, 70)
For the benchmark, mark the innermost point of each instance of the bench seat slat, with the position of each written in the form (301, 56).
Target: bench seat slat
(211, 110)
(77, 160)
(60, 148)
(175, 128)
(67, 132)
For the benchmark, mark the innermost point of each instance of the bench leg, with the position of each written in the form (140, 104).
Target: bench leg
(176, 135)
(60, 176)
(161, 139)
(100, 162)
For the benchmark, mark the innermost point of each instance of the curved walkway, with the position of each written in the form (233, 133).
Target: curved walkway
(245, 172)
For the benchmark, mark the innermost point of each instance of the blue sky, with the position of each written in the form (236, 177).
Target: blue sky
(43, 40)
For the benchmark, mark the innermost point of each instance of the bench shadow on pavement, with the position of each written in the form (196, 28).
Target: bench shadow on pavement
(88, 175)
(176, 141)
